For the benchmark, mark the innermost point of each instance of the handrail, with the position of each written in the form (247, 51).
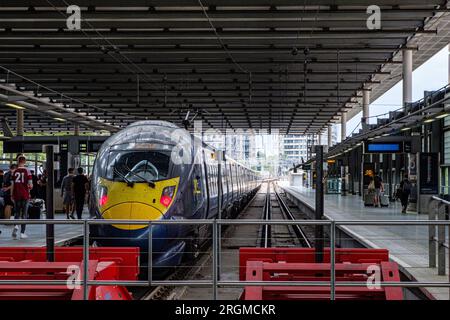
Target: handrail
(215, 281)
(436, 198)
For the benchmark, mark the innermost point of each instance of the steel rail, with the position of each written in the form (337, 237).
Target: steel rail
(289, 216)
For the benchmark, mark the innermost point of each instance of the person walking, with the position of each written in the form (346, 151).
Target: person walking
(21, 184)
(67, 193)
(405, 191)
(9, 204)
(80, 186)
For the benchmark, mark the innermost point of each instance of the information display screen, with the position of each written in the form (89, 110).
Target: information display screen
(389, 147)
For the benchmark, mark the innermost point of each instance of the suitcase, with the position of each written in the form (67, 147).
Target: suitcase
(35, 208)
(384, 200)
(368, 199)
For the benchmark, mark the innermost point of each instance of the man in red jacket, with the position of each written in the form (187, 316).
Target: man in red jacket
(22, 183)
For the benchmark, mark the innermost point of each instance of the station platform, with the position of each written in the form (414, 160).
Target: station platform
(36, 234)
(407, 245)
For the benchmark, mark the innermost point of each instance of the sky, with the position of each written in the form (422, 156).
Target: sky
(432, 75)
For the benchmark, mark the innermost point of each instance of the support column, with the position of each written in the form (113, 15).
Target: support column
(20, 121)
(407, 76)
(319, 139)
(343, 126)
(448, 64)
(330, 127)
(365, 109)
(76, 130)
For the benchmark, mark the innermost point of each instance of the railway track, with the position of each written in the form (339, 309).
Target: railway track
(267, 204)
(281, 235)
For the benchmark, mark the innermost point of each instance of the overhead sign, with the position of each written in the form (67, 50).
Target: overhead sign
(368, 173)
(384, 147)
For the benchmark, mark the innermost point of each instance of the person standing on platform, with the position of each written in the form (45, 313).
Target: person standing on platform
(1, 177)
(67, 193)
(405, 191)
(42, 182)
(80, 185)
(21, 184)
(9, 204)
(378, 182)
(34, 191)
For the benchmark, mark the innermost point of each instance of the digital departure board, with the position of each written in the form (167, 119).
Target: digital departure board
(383, 147)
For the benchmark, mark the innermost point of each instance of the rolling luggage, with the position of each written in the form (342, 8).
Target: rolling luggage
(384, 200)
(35, 208)
(368, 199)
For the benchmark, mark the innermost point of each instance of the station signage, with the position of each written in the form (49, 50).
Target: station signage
(30, 146)
(385, 147)
(89, 146)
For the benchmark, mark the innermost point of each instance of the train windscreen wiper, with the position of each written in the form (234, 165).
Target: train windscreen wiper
(120, 174)
(150, 182)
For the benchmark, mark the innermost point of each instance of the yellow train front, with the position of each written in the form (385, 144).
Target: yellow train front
(153, 170)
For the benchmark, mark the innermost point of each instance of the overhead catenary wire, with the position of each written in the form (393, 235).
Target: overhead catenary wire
(219, 39)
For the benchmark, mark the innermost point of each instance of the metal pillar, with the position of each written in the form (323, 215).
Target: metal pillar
(20, 121)
(330, 128)
(343, 126)
(448, 63)
(407, 76)
(50, 228)
(365, 109)
(319, 204)
(441, 241)
(76, 130)
(219, 199)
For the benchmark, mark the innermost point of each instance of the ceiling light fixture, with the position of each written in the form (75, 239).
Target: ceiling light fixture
(442, 116)
(405, 129)
(15, 106)
(60, 119)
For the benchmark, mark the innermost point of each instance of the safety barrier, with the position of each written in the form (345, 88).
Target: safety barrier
(215, 282)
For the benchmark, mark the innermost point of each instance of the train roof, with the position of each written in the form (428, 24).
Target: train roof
(143, 130)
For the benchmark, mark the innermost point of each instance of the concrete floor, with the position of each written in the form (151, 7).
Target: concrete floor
(408, 245)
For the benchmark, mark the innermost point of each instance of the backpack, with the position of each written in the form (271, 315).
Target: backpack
(406, 186)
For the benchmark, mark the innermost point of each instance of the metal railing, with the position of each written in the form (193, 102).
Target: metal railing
(215, 282)
(437, 238)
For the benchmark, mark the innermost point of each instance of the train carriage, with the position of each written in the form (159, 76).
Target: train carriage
(154, 170)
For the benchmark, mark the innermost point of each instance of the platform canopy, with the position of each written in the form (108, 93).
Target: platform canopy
(289, 65)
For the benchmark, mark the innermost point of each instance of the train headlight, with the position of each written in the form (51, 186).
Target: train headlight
(102, 195)
(167, 196)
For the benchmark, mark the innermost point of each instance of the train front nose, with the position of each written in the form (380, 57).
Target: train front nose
(133, 211)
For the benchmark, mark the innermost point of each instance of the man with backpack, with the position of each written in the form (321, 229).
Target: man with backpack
(405, 191)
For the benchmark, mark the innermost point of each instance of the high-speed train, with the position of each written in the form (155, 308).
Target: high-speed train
(154, 170)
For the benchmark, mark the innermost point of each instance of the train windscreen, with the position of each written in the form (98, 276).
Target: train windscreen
(138, 166)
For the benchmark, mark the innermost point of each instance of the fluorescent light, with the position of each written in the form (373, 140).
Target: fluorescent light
(60, 119)
(385, 135)
(442, 116)
(429, 120)
(405, 129)
(15, 106)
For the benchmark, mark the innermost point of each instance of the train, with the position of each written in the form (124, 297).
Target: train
(155, 170)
